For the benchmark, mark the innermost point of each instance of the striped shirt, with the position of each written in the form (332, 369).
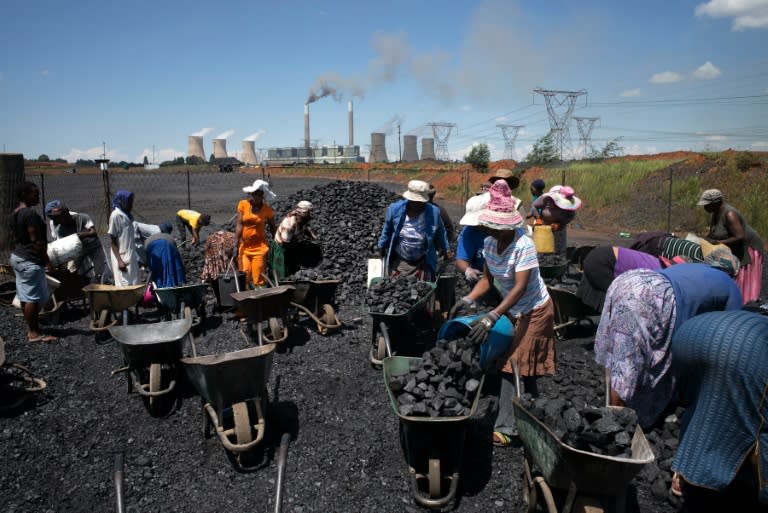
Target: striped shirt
(672, 247)
(520, 255)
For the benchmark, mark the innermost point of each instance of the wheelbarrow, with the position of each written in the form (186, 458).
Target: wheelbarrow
(433, 446)
(151, 353)
(233, 388)
(17, 383)
(579, 472)
(407, 328)
(315, 298)
(267, 304)
(569, 310)
(445, 293)
(107, 300)
(71, 285)
(179, 302)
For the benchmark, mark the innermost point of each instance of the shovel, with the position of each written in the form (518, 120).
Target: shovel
(375, 270)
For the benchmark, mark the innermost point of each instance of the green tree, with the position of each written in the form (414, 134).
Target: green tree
(146, 160)
(194, 160)
(479, 157)
(43, 158)
(544, 151)
(612, 149)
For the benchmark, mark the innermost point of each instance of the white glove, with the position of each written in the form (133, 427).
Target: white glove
(472, 275)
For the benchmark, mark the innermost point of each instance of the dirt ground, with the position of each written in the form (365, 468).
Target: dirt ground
(57, 452)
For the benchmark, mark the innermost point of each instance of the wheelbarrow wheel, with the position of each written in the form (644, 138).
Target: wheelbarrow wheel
(381, 347)
(434, 478)
(155, 375)
(328, 318)
(275, 329)
(206, 421)
(242, 422)
(103, 317)
(530, 497)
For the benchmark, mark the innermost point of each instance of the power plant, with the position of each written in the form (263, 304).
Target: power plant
(378, 148)
(219, 148)
(195, 147)
(307, 154)
(249, 153)
(427, 148)
(410, 153)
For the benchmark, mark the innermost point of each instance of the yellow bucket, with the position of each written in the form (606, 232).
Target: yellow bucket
(543, 238)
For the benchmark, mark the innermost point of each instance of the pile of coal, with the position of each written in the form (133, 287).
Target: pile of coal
(396, 296)
(443, 384)
(347, 219)
(193, 258)
(604, 431)
(313, 275)
(219, 343)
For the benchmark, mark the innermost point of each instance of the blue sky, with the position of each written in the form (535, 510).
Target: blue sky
(688, 75)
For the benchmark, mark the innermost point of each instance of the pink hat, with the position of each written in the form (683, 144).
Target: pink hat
(564, 197)
(501, 212)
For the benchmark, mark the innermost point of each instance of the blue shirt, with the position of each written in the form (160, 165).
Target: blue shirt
(700, 288)
(433, 227)
(470, 247)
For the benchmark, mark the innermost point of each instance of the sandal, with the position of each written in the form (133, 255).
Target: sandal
(43, 338)
(502, 439)
(677, 485)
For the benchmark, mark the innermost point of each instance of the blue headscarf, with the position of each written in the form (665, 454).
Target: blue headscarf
(121, 200)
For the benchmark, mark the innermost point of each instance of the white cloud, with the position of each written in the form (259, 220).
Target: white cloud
(759, 144)
(715, 137)
(161, 155)
(666, 77)
(707, 71)
(500, 119)
(94, 153)
(225, 135)
(746, 14)
(630, 92)
(43, 72)
(466, 108)
(636, 149)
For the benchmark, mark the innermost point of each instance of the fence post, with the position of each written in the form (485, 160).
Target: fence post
(669, 203)
(107, 192)
(11, 175)
(189, 194)
(42, 194)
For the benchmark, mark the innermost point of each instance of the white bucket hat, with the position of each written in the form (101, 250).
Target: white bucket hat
(260, 185)
(418, 191)
(475, 205)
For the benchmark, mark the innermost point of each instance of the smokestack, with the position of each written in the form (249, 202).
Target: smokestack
(351, 123)
(427, 148)
(249, 153)
(378, 150)
(219, 148)
(195, 147)
(410, 153)
(306, 125)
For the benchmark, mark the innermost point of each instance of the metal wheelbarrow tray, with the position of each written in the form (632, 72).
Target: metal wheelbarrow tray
(433, 446)
(267, 304)
(569, 309)
(233, 388)
(110, 299)
(404, 327)
(180, 301)
(577, 471)
(151, 353)
(17, 383)
(315, 298)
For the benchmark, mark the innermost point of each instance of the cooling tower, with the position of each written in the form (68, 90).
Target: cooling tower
(195, 148)
(378, 150)
(350, 117)
(306, 125)
(219, 148)
(427, 148)
(249, 153)
(410, 154)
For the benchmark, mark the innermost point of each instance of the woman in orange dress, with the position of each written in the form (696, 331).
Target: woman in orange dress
(251, 242)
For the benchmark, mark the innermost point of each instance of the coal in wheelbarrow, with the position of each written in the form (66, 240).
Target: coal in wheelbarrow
(183, 300)
(575, 471)
(315, 298)
(403, 332)
(17, 383)
(433, 446)
(266, 304)
(233, 388)
(569, 310)
(151, 353)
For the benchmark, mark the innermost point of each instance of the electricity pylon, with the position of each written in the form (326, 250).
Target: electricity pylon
(509, 132)
(560, 105)
(585, 126)
(441, 131)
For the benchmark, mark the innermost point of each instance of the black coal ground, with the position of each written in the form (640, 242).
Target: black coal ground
(57, 453)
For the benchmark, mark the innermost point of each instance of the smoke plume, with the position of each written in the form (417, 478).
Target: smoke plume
(255, 135)
(225, 135)
(202, 132)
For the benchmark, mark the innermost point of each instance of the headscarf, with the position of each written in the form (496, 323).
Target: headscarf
(121, 200)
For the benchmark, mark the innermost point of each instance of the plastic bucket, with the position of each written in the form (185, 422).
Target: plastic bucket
(225, 284)
(65, 249)
(495, 346)
(543, 238)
